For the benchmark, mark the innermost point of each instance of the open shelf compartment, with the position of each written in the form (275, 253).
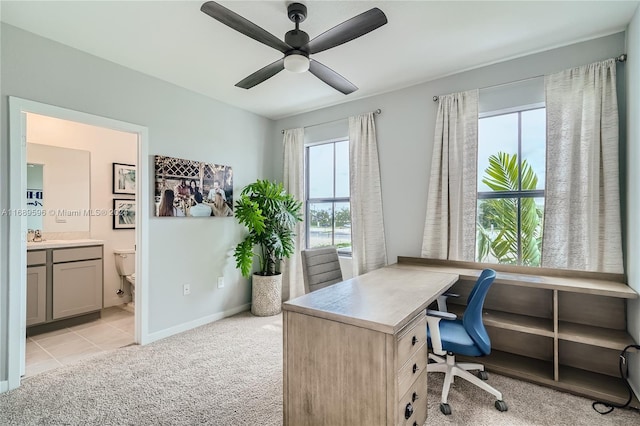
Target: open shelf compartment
(595, 386)
(595, 336)
(523, 367)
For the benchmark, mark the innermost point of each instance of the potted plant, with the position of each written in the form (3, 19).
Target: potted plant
(270, 214)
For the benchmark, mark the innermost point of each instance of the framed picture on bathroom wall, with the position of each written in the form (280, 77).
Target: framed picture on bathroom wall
(124, 213)
(191, 188)
(124, 179)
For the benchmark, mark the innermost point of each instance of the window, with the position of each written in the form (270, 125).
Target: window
(328, 219)
(511, 181)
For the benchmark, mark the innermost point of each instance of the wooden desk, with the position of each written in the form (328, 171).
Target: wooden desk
(355, 352)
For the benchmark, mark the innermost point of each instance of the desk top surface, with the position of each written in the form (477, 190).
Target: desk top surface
(383, 300)
(595, 283)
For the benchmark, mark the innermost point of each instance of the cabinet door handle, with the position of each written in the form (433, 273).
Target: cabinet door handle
(414, 397)
(408, 411)
(415, 368)
(414, 340)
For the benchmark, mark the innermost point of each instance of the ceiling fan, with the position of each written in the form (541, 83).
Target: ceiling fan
(296, 46)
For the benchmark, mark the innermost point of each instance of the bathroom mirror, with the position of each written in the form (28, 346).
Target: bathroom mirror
(35, 200)
(65, 176)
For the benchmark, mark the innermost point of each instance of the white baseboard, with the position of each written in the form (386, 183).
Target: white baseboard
(4, 386)
(152, 337)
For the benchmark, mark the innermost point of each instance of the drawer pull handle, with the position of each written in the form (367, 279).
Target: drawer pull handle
(414, 340)
(408, 411)
(415, 368)
(414, 397)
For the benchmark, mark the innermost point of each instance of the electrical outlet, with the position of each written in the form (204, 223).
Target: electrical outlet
(220, 282)
(186, 289)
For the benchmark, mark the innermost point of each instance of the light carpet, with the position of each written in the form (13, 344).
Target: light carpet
(230, 373)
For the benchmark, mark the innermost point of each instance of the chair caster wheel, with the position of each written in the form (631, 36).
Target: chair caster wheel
(483, 375)
(500, 405)
(446, 409)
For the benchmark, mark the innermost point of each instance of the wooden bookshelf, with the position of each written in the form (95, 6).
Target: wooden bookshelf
(557, 328)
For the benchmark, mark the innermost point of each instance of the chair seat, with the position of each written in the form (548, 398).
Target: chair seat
(455, 339)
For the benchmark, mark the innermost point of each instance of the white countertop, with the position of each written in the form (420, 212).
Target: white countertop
(47, 244)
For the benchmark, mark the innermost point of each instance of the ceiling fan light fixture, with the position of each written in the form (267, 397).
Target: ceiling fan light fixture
(296, 46)
(296, 63)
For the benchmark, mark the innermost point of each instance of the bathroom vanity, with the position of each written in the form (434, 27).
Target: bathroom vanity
(64, 283)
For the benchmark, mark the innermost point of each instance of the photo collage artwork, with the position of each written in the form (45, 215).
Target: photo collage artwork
(188, 188)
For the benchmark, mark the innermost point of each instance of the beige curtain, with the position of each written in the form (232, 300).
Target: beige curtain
(450, 223)
(293, 180)
(582, 196)
(367, 225)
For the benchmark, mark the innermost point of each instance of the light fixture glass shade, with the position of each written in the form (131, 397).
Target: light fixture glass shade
(296, 63)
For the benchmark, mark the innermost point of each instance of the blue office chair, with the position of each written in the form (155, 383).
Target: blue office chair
(463, 337)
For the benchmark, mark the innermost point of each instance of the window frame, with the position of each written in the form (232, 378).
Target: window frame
(333, 200)
(520, 193)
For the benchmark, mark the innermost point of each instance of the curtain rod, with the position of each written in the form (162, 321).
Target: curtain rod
(378, 111)
(621, 58)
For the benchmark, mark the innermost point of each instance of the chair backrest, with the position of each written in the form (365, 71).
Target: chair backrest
(320, 268)
(472, 318)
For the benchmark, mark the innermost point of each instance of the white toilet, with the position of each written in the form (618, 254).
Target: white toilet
(126, 266)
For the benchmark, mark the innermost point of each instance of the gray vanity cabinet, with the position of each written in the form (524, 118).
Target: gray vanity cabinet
(77, 281)
(36, 287)
(64, 286)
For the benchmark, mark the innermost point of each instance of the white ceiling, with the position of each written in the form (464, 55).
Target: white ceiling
(423, 40)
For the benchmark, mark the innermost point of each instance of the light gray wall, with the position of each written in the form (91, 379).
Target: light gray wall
(181, 124)
(406, 126)
(633, 192)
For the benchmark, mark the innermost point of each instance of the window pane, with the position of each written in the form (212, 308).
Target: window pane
(329, 219)
(497, 231)
(495, 134)
(342, 169)
(320, 225)
(534, 145)
(342, 238)
(531, 231)
(503, 237)
(321, 171)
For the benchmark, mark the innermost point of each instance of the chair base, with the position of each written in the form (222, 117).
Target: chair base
(450, 368)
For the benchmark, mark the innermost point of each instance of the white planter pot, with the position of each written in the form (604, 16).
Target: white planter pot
(266, 295)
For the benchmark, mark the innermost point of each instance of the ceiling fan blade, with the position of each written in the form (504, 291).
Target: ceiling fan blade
(262, 74)
(331, 77)
(353, 28)
(243, 25)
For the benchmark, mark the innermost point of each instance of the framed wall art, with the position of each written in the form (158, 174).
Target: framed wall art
(189, 188)
(124, 179)
(124, 213)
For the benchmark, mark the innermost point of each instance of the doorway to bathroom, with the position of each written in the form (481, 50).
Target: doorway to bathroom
(117, 180)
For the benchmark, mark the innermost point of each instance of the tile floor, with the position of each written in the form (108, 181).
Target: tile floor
(65, 346)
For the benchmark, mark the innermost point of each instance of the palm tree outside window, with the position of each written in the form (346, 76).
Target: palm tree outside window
(511, 181)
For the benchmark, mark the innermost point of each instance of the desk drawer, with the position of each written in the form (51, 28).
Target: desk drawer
(412, 369)
(411, 338)
(416, 400)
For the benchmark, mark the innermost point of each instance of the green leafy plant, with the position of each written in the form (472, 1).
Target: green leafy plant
(270, 215)
(497, 229)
